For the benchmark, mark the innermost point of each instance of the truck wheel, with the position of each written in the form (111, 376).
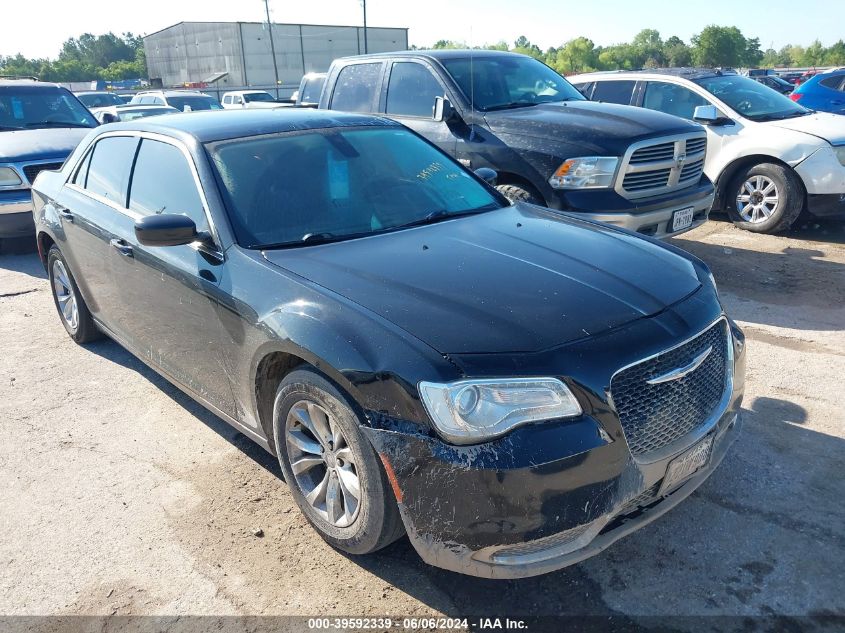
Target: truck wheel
(71, 306)
(765, 198)
(518, 193)
(333, 472)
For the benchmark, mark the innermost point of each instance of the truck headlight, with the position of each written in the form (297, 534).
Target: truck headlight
(590, 172)
(471, 411)
(840, 154)
(9, 177)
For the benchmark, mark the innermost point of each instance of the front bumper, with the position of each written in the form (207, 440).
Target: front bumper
(648, 216)
(542, 497)
(16, 213)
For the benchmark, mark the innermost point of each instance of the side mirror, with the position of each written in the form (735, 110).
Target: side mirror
(487, 175)
(708, 115)
(443, 110)
(169, 229)
(108, 117)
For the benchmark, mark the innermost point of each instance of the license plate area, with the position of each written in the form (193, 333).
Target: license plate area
(685, 465)
(682, 219)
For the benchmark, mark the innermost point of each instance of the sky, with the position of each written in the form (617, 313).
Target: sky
(37, 28)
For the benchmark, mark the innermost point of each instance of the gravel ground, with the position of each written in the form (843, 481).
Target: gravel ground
(122, 496)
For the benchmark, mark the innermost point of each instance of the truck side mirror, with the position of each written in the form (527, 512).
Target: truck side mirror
(443, 110)
(487, 175)
(108, 117)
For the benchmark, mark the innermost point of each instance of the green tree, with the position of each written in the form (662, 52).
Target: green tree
(813, 55)
(649, 47)
(525, 47)
(835, 55)
(752, 55)
(719, 46)
(676, 53)
(576, 56)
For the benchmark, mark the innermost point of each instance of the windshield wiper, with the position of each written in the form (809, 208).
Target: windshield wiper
(511, 105)
(56, 124)
(7, 128)
(443, 214)
(779, 117)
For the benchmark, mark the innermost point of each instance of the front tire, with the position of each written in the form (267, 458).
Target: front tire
(518, 193)
(72, 309)
(333, 472)
(765, 198)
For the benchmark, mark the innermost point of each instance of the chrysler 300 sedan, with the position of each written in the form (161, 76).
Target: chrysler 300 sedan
(512, 387)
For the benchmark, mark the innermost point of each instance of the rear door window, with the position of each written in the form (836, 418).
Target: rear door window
(108, 172)
(614, 91)
(163, 182)
(356, 88)
(672, 99)
(834, 83)
(411, 90)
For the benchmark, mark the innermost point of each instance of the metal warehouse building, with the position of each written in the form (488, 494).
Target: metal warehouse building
(196, 52)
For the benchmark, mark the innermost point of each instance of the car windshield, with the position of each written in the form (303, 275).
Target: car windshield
(194, 102)
(100, 99)
(125, 114)
(499, 83)
(751, 99)
(258, 96)
(302, 188)
(40, 106)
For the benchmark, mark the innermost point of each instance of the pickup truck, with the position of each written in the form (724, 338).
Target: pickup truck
(548, 144)
(40, 125)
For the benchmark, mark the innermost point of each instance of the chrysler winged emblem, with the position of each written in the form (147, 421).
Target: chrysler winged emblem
(680, 372)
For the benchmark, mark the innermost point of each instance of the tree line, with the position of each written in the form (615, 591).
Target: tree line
(115, 57)
(715, 46)
(87, 57)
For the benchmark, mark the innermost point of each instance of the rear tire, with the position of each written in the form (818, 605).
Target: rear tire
(69, 303)
(765, 198)
(519, 193)
(326, 459)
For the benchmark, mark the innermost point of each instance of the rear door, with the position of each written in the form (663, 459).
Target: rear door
(91, 209)
(171, 295)
(410, 90)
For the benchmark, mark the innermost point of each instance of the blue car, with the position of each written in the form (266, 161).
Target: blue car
(824, 92)
(40, 125)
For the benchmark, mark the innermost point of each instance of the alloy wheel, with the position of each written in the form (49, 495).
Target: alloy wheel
(65, 296)
(323, 464)
(757, 199)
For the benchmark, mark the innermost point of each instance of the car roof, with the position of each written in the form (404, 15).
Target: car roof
(440, 54)
(682, 73)
(29, 83)
(216, 125)
(143, 106)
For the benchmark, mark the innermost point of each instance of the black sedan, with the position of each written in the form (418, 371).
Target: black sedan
(512, 387)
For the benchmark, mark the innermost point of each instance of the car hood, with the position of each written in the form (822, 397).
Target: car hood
(604, 127)
(519, 279)
(824, 125)
(39, 144)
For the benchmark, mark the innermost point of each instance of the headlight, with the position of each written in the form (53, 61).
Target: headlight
(840, 154)
(470, 411)
(9, 177)
(590, 172)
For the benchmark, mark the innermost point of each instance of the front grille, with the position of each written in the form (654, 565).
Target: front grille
(663, 151)
(643, 499)
(647, 180)
(31, 171)
(655, 415)
(665, 165)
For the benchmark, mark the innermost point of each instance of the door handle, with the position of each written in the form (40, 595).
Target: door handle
(122, 247)
(65, 213)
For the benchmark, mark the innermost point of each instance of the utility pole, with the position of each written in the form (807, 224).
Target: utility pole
(364, 2)
(273, 45)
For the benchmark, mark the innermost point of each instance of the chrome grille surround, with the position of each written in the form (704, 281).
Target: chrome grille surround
(661, 165)
(665, 418)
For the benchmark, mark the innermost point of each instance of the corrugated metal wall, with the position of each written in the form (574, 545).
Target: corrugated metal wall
(190, 52)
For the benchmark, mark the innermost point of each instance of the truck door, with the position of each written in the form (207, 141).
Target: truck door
(409, 99)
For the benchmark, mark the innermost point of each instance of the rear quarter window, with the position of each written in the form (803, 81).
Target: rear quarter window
(110, 164)
(356, 88)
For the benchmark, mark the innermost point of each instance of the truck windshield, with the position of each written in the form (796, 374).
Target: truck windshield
(258, 96)
(498, 83)
(751, 99)
(199, 102)
(40, 106)
(333, 184)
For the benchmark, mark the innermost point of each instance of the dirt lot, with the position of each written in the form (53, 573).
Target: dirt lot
(122, 496)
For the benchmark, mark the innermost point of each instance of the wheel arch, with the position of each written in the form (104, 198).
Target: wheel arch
(730, 171)
(510, 178)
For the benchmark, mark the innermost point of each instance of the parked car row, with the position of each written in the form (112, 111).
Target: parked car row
(769, 157)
